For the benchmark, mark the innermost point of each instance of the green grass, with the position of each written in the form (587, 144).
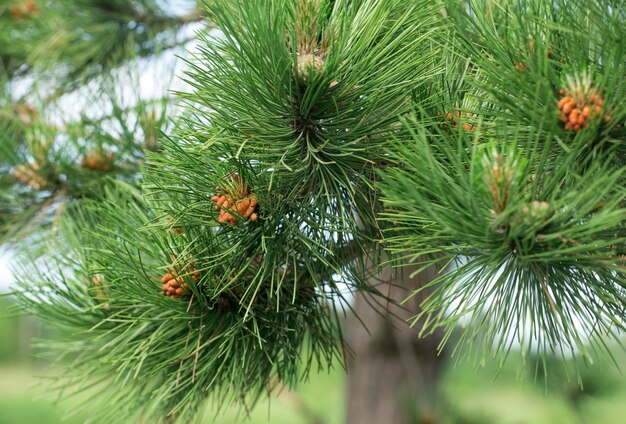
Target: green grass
(490, 395)
(471, 396)
(23, 401)
(23, 410)
(486, 395)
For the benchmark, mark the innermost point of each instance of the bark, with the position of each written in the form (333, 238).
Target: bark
(392, 373)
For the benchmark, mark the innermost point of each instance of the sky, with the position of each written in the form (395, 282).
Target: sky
(153, 77)
(6, 277)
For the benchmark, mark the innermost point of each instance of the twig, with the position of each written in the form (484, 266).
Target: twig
(547, 293)
(183, 359)
(195, 361)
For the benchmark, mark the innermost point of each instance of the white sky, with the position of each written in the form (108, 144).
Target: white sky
(6, 277)
(154, 79)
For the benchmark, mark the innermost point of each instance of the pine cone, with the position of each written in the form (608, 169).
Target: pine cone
(241, 203)
(581, 102)
(149, 125)
(98, 160)
(535, 212)
(101, 290)
(499, 180)
(25, 10)
(30, 175)
(174, 286)
(195, 275)
(456, 117)
(308, 63)
(522, 66)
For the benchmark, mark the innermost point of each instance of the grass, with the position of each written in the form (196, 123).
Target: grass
(490, 395)
(471, 396)
(23, 401)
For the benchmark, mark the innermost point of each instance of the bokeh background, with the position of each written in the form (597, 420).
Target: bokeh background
(469, 393)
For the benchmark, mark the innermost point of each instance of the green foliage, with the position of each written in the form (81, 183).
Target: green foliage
(524, 217)
(262, 298)
(49, 50)
(484, 137)
(311, 112)
(237, 329)
(84, 38)
(17, 25)
(523, 243)
(48, 165)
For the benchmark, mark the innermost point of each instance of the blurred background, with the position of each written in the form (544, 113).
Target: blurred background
(469, 394)
(117, 78)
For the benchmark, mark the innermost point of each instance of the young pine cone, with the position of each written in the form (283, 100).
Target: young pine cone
(98, 160)
(522, 66)
(458, 116)
(535, 213)
(308, 63)
(24, 10)
(580, 103)
(174, 286)
(29, 175)
(101, 290)
(241, 203)
(499, 180)
(26, 113)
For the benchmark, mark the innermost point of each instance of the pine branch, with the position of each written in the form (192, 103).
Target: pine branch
(197, 291)
(69, 43)
(49, 165)
(519, 198)
(486, 140)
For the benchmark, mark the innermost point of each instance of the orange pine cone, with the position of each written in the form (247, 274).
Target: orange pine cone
(580, 103)
(459, 116)
(98, 160)
(24, 10)
(29, 175)
(174, 287)
(240, 203)
(521, 66)
(195, 276)
(31, 7)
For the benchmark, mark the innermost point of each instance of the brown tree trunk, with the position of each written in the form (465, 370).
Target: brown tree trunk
(392, 373)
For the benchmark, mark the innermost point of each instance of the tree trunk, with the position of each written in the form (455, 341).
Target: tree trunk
(392, 373)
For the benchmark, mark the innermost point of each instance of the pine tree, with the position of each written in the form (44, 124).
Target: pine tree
(444, 161)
